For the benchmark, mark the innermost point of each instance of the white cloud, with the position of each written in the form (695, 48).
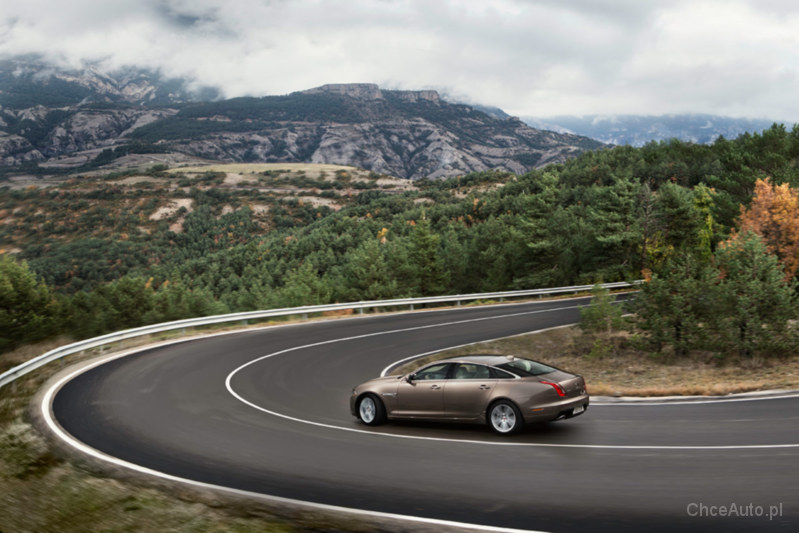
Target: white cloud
(530, 57)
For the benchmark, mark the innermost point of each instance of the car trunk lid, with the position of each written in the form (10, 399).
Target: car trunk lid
(572, 384)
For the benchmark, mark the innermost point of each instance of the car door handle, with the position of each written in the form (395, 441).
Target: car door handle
(435, 386)
(485, 387)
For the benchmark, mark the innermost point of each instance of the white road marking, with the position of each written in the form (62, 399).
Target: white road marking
(55, 427)
(718, 400)
(88, 450)
(46, 407)
(239, 397)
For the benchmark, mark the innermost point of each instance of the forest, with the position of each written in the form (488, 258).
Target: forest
(714, 229)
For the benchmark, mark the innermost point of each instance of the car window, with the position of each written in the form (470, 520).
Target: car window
(471, 371)
(526, 367)
(500, 374)
(433, 372)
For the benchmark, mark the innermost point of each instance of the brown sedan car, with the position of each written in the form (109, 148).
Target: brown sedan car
(502, 391)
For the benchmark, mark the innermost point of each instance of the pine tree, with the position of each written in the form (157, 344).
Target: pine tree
(366, 273)
(429, 277)
(676, 307)
(757, 302)
(27, 307)
(304, 286)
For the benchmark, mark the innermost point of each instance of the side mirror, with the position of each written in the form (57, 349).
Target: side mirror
(410, 378)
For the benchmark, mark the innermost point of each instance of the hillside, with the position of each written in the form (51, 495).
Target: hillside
(123, 249)
(57, 122)
(85, 227)
(410, 134)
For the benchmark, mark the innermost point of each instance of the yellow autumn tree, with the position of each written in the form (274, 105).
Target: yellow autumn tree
(774, 215)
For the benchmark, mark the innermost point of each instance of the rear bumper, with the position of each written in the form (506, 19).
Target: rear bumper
(556, 411)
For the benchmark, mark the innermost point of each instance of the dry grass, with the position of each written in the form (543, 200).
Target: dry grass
(135, 180)
(29, 351)
(621, 370)
(254, 168)
(171, 208)
(247, 174)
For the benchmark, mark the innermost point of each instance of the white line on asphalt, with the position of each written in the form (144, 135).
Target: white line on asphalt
(718, 400)
(47, 412)
(46, 407)
(88, 450)
(236, 395)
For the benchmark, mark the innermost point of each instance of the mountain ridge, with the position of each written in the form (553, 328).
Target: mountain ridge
(409, 134)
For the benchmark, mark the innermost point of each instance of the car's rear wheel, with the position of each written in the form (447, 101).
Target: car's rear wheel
(504, 417)
(371, 410)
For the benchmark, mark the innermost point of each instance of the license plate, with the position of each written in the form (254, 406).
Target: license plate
(579, 409)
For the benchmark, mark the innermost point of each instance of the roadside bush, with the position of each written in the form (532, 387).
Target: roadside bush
(598, 321)
(601, 315)
(28, 309)
(740, 303)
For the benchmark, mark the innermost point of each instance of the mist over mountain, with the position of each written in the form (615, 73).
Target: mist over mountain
(637, 130)
(66, 120)
(26, 82)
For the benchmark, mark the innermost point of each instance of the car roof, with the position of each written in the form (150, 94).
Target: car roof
(483, 359)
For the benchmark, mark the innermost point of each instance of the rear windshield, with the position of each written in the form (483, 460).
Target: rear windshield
(526, 367)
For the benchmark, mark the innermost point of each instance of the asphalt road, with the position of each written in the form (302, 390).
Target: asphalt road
(267, 411)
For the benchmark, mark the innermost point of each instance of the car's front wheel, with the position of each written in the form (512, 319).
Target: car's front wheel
(371, 411)
(504, 417)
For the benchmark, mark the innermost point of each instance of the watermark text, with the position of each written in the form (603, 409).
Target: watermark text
(735, 510)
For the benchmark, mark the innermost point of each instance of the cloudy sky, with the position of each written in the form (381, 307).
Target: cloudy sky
(529, 57)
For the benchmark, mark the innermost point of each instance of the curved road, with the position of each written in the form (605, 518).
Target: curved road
(266, 411)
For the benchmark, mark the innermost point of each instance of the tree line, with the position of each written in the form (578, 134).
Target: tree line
(674, 212)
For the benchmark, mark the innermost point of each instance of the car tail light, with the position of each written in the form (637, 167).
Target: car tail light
(557, 388)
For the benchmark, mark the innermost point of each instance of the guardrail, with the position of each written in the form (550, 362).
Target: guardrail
(53, 355)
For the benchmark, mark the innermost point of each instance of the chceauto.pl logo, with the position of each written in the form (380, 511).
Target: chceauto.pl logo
(735, 510)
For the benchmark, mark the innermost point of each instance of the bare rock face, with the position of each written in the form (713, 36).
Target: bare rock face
(415, 96)
(15, 150)
(370, 91)
(88, 129)
(40, 133)
(409, 134)
(363, 91)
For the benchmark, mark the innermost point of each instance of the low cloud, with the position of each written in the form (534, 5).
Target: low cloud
(532, 58)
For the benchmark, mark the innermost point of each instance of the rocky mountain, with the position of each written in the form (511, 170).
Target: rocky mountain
(637, 130)
(57, 120)
(410, 134)
(27, 82)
